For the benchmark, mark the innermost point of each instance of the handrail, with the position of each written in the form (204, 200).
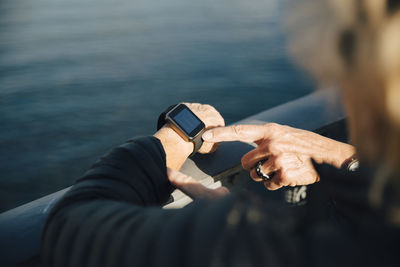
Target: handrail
(312, 112)
(21, 227)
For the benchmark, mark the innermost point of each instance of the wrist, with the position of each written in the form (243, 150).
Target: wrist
(177, 149)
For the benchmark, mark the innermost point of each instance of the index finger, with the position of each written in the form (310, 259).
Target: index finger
(244, 133)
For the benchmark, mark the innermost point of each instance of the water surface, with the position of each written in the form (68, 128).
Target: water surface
(79, 77)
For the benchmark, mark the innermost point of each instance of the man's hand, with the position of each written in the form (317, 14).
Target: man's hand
(177, 150)
(287, 152)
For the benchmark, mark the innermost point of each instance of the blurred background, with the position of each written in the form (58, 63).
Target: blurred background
(78, 77)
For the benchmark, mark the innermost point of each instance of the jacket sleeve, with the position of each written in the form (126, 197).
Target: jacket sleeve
(111, 217)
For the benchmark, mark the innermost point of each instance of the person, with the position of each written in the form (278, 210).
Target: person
(112, 215)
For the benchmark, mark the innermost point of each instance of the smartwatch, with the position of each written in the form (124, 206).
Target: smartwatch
(186, 124)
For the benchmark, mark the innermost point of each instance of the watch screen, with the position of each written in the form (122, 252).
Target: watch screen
(186, 120)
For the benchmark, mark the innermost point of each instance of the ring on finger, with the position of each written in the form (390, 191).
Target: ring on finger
(260, 173)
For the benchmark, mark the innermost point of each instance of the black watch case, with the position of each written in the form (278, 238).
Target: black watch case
(185, 122)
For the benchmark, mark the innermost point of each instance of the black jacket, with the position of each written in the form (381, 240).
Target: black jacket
(112, 217)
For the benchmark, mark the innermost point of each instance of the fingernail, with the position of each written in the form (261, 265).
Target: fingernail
(207, 135)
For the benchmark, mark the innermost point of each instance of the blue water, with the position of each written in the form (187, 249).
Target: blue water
(78, 77)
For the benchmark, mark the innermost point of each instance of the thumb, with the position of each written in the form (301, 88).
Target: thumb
(243, 133)
(192, 187)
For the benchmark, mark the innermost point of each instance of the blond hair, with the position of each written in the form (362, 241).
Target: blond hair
(355, 45)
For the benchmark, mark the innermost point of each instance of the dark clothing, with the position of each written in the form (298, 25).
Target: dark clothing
(112, 217)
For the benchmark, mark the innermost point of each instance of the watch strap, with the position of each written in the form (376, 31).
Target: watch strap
(161, 119)
(198, 142)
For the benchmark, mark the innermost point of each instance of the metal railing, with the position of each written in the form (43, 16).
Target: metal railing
(21, 227)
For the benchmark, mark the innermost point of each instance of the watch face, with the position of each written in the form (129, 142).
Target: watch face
(185, 120)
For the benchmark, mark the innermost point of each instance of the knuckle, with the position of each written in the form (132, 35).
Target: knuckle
(279, 181)
(202, 108)
(276, 163)
(280, 177)
(221, 120)
(192, 105)
(272, 126)
(209, 107)
(273, 147)
(238, 129)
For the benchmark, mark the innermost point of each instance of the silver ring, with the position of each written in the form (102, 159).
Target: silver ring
(260, 173)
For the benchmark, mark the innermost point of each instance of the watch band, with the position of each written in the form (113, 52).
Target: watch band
(161, 119)
(197, 141)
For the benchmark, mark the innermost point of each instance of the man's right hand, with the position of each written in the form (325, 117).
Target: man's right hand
(287, 152)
